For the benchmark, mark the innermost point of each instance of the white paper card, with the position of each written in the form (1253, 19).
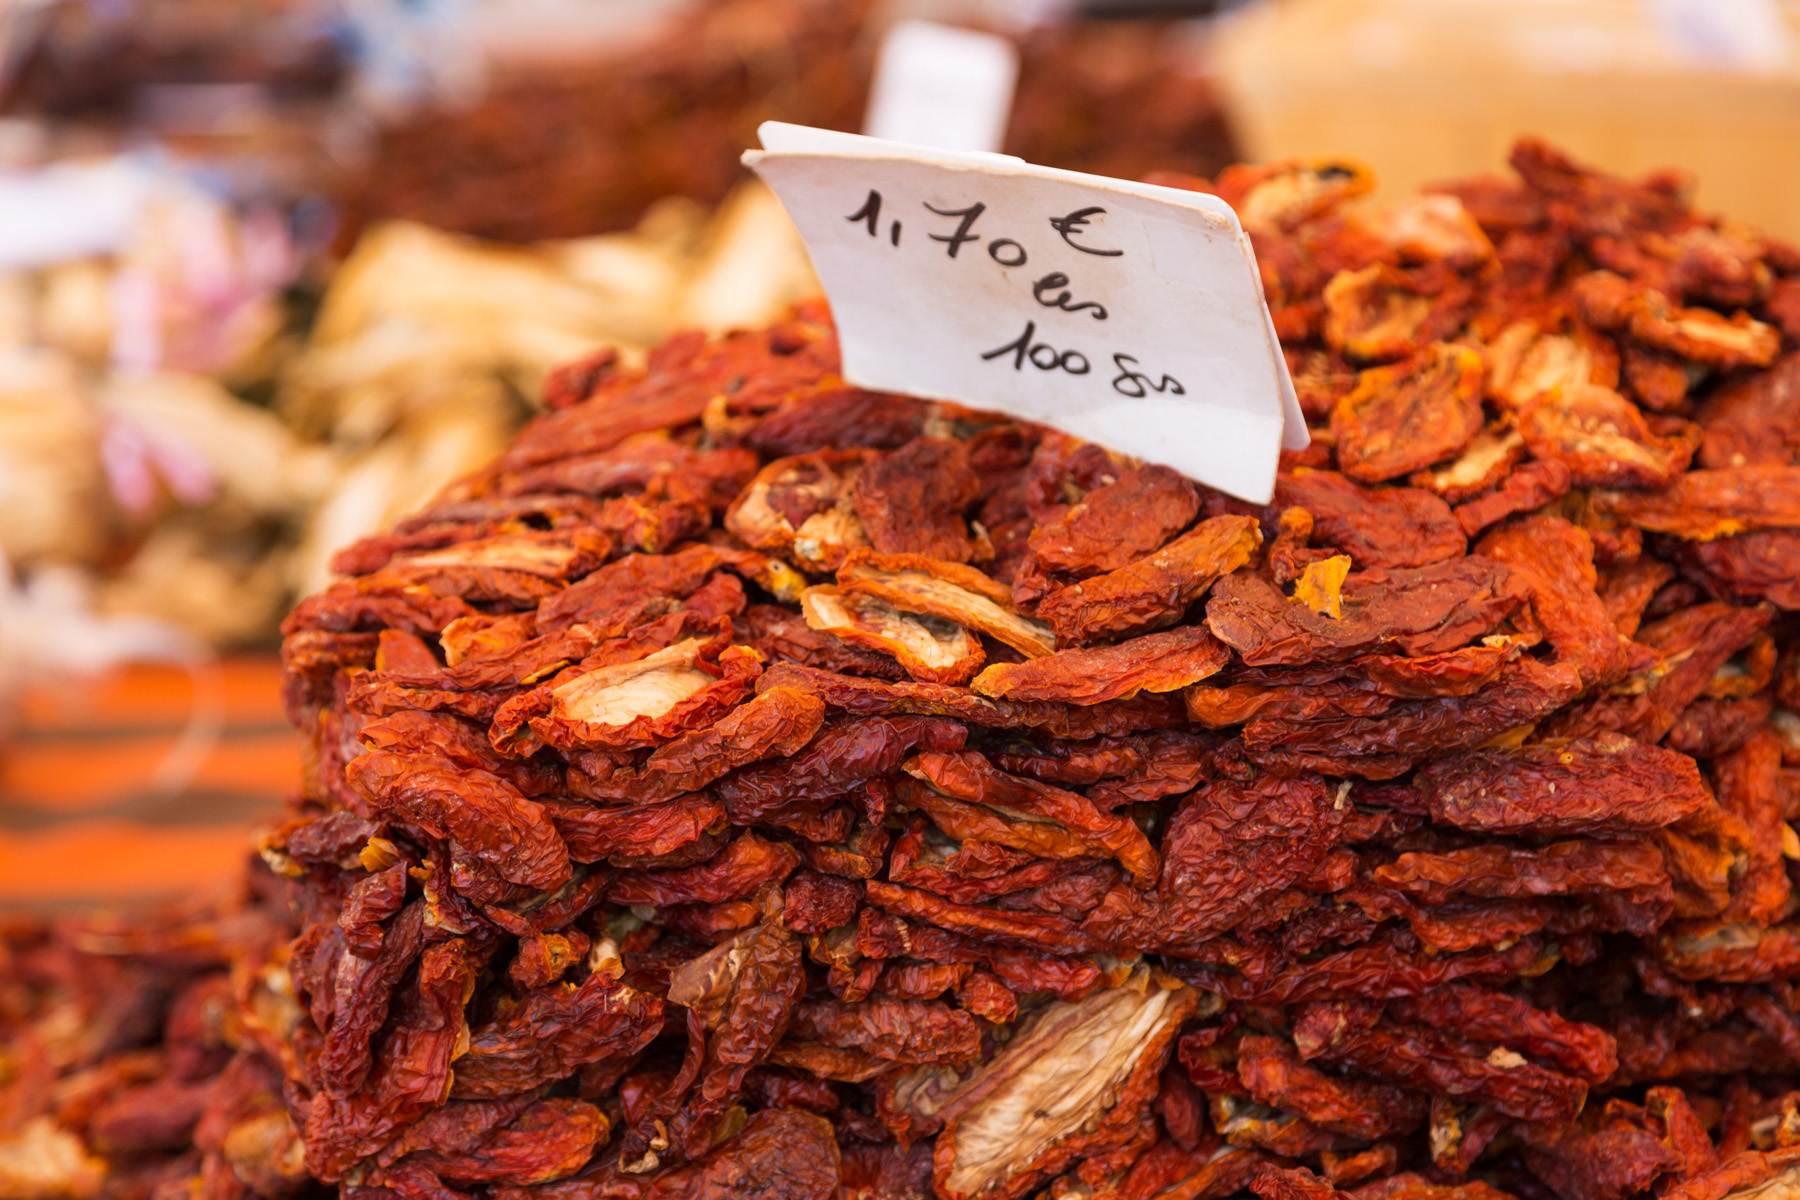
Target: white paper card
(936, 85)
(1749, 35)
(1123, 313)
(70, 210)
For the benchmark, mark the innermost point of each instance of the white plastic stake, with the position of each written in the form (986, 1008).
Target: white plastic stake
(936, 85)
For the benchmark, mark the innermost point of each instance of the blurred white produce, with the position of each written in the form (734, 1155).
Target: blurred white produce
(170, 427)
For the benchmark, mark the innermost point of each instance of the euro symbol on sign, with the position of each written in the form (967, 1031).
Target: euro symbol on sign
(1075, 223)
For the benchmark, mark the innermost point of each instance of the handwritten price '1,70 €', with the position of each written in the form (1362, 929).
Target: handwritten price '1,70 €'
(1052, 290)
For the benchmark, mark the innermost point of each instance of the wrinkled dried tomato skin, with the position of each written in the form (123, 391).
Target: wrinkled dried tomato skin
(1229, 848)
(1156, 662)
(840, 759)
(479, 811)
(1117, 523)
(1557, 559)
(775, 724)
(412, 1071)
(1376, 527)
(1610, 784)
(1273, 1073)
(1410, 611)
(1156, 591)
(780, 1154)
(552, 1032)
(1402, 419)
(911, 500)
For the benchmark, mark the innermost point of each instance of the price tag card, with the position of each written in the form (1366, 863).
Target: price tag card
(1123, 313)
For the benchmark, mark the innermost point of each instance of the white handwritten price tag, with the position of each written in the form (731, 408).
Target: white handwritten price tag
(1123, 313)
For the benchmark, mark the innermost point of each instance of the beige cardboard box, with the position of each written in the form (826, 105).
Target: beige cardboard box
(1428, 90)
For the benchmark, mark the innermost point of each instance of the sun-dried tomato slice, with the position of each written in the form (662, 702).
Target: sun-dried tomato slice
(1404, 418)
(927, 647)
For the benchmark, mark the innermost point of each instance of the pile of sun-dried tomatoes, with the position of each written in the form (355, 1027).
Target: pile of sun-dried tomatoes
(754, 786)
(129, 1068)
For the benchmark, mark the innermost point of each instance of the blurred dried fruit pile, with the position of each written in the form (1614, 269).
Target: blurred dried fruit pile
(752, 785)
(128, 1066)
(671, 117)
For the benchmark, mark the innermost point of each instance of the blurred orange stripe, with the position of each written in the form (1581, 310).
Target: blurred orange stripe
(152, 696)
(79, 821)
(80, 776)
(115, 860)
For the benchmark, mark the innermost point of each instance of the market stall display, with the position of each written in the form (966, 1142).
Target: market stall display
(749, 784)
(176, 425)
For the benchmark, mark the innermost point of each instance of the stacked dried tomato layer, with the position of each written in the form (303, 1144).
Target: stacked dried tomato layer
(752, 784)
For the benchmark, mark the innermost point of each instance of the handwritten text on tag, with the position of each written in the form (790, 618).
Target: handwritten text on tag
(1049, 290)
(1126, 314)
